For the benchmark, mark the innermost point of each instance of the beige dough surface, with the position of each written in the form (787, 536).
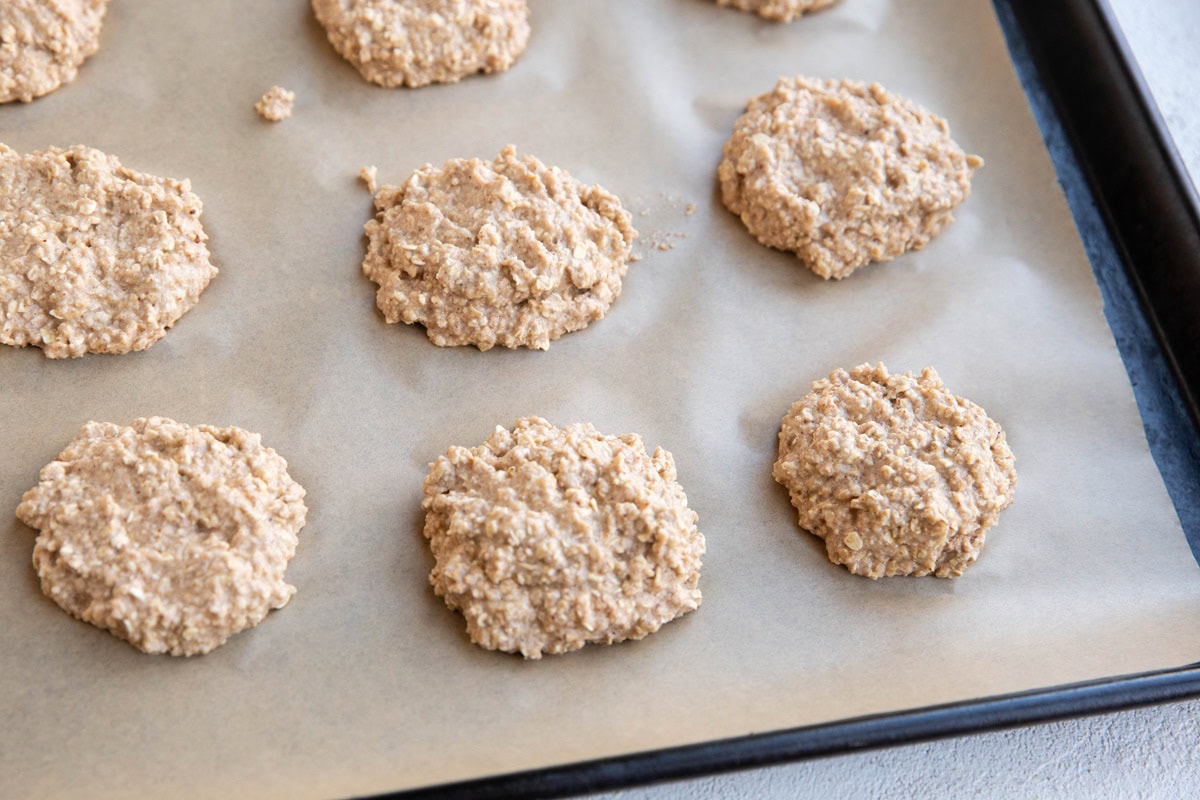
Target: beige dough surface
(778, 10)
(94, 257)
(43, 42)
(418, 42)
(173, 537)
(547, 539)
(842, 173)
(275, 104)
(509, 252)
(895, 473)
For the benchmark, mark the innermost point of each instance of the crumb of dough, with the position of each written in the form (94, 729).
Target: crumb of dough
(509, 252)
(369, 176)
(547, 539)
(276, 104)
(172, 537)
(778, 10)
(842, 174)
(94, 257)
(419, 42)
(43, 43)
(895, 473)
(664, 241)
(661, 239)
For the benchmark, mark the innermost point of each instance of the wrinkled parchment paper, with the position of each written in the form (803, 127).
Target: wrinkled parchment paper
(365, 682)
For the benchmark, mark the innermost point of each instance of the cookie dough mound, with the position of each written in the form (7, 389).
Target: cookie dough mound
(778, 10)
(897, 475)
(94, 257)
(418, 42)
(842, 173)
(43, 42)
(509, 252)
(548, 539)
(169, 536)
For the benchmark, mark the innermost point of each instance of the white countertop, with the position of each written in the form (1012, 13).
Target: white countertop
(1151, 752)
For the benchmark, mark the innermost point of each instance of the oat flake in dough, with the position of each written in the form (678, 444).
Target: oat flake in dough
(418, 42)
(94, 257)
(547, 539)
(173, 537)
(778, 10)
(509, 252)
(842, 173)
(895, 473)
(43, 42)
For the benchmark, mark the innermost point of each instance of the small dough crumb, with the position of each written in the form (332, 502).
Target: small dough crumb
(665, 241)
(276, 104)
(547, 539)
(895, 473)
(368, 175)
(663, 213)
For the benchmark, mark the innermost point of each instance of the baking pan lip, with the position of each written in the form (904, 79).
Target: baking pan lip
(833, 738)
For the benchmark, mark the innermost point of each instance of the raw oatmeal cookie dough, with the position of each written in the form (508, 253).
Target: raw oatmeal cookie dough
(547, 539)
(418, 42)
(897, 475)
(842, 173)
(778, 10)
(94, 257)
(173, 537)
(508, 252)
(276, 104)
(43, 42)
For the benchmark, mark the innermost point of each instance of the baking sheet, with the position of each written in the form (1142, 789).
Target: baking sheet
(365, 682)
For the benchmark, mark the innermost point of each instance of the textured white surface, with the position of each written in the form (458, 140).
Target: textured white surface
(1151, 752)
(1162, 34)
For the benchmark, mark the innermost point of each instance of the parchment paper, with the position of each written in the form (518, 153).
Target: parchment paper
(365, 682)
